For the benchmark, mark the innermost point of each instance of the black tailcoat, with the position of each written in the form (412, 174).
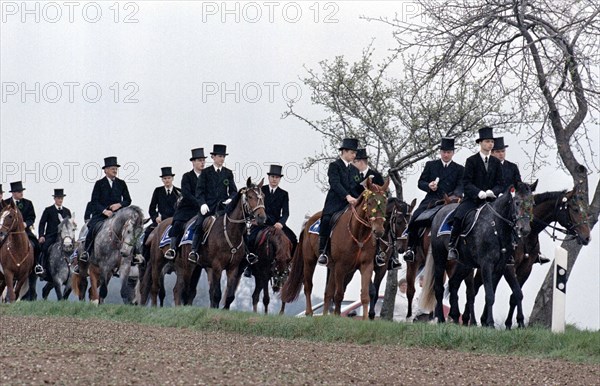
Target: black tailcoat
(342, 181)
(511, 174)
(163, 205)
(214, 188)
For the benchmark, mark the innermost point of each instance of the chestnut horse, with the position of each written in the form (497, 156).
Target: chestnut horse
(152, 282)
(224, 248)
(274, 251)
(16, 252)
(352, 241)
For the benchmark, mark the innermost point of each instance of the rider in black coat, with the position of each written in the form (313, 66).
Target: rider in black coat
(482, 180)
(442, 176)
(187, 206)
(344, 180)
(48, 227)
(510, 171)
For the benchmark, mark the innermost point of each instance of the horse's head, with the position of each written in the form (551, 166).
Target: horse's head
(10, 220)
(282, 249)
(253, 201)
(66, 232)
(374, 205)
(397, 215)
(131, 229)
(522, 209)
(573, 215)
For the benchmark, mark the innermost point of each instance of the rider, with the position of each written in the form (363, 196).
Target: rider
(214, 191)
(277, 208)
(27, 212)
(361, 162)
(188, 206)
(343, 190)
(482, 180)
(442, 176)
(48, 227)
(109, 195)
(162, 204)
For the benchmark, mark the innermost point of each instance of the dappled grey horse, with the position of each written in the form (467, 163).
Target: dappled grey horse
(59, 253)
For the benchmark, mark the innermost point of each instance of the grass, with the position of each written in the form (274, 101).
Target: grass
(574, 345)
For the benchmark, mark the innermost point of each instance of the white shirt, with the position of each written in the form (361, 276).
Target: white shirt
(272, 189)
(345, 162)
(446, 163)
(483, 157)
(110, 182)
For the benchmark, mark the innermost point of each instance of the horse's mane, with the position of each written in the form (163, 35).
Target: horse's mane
(548, 196)
(126, 213)
(236, 199)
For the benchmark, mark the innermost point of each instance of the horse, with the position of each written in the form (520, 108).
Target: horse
(79, 282)
(352, 247)
(224, 248)
(397, 215)
(59, 269)
(16, 252)
(563, 207)
(484, 246)
(274, 251)
(113, 248)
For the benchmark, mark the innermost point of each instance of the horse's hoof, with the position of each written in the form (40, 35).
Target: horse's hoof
(95, 302)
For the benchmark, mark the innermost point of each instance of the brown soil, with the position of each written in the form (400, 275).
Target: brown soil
(73, 351)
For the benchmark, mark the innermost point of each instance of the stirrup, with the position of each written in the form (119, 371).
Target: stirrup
(85, 256)
(193, 257)
(39, 270)
(251, 258)
(380, 259)
(170, 254)
(323, 259)
(75, 270)
(138, 259)
(409, 256)
(452, 254)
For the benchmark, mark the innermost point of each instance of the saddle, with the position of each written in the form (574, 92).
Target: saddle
(467, 225)
(426, 217)
(314, 228)
(207, 226)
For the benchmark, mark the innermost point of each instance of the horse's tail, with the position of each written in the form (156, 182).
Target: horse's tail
(427, 299)
(293, 284)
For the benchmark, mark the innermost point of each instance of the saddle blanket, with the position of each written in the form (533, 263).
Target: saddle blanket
(165, 239)
(314, 228)
(188, 235)
(446, 229)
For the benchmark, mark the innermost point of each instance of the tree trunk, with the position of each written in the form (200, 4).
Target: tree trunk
(391, 287)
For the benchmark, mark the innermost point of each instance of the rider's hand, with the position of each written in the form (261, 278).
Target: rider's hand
(42, 239)
(433, 186)
(158, 219)
(490, 194)
(482, 195)
(107, 213)
(115, 207)
(226, 202)
(350, 199)
(204, 209)
(278, 225)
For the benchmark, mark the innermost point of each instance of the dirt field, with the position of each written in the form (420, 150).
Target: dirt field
(73, 351)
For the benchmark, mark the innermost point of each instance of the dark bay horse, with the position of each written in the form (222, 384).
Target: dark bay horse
(352, 247)
(16, 252)
(224, 248)
(397, 215)
(562, 207)
(152, 285)
(274, 251)
(485, 246)
(113, 248)
(59, 253)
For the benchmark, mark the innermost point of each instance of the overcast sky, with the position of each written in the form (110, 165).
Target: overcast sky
(148, 81)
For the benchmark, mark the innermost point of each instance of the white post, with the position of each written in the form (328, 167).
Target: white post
(560, 290)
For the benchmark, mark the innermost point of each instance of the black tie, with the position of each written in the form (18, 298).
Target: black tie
(362, 176)
(272, 191)
(168, 192)
(486, 163)
(219, 171)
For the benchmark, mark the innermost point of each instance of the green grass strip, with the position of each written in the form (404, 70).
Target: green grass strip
(573, 345)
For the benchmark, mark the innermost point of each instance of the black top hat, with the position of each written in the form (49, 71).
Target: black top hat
(275, 170)
(59, 193)
(349, 144)
(16, 186)
(499, 144)
(109, 162)
(361, 154)
(219, 150)
(485, 133)
(166, 172)
(197, 153)
(447, 144)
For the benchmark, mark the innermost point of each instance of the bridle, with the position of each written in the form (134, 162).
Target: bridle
(247, 217)
(4, 213)
(562, 206)
(377, 213)
(393, 235)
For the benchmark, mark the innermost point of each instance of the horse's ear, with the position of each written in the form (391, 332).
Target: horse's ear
(249, 182)
(533, 186)
(60, 218)
(413, 204)
(386, 184)
(260, 184)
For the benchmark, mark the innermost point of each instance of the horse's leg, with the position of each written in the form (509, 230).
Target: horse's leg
(155, 282)
(282, 309)
(366, 271)
(191, 291)
(517, 296)
(438, 287)
(94, 278)
(215, 288)
(10, 286)
(266, 296)
(454, 283)
(58, 288)
(330, 285)
(256, 293)
(468, 315)
(161, 290)
(411, 273)
(374, 290)
(310, 264)
(233, 279)
(46, 290)
(487, 275)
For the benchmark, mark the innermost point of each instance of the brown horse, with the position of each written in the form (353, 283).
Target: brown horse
(224, 248)
(352, 242)
(274, 251)
(152, 282)
(16, 252)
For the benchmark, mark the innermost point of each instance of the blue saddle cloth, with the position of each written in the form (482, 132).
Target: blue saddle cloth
(314, 228)
(188, 235)
(165, 239)
(445, 228)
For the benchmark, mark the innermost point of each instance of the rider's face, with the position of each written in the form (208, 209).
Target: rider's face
(446, 155)
(500, 154)
(274, 181)
(111, 171)
(486, 145)
(218, 160)
(348, 155)
(198, 164)
(167, 181)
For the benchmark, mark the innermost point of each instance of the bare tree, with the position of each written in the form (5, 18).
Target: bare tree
(542, 54)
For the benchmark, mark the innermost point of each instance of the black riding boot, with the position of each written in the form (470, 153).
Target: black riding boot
(454, 236)
(409, 255)
(39, 267)
(250, 257)
(172, 252)
(196, 241)
(323, 258)
(379, 255)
